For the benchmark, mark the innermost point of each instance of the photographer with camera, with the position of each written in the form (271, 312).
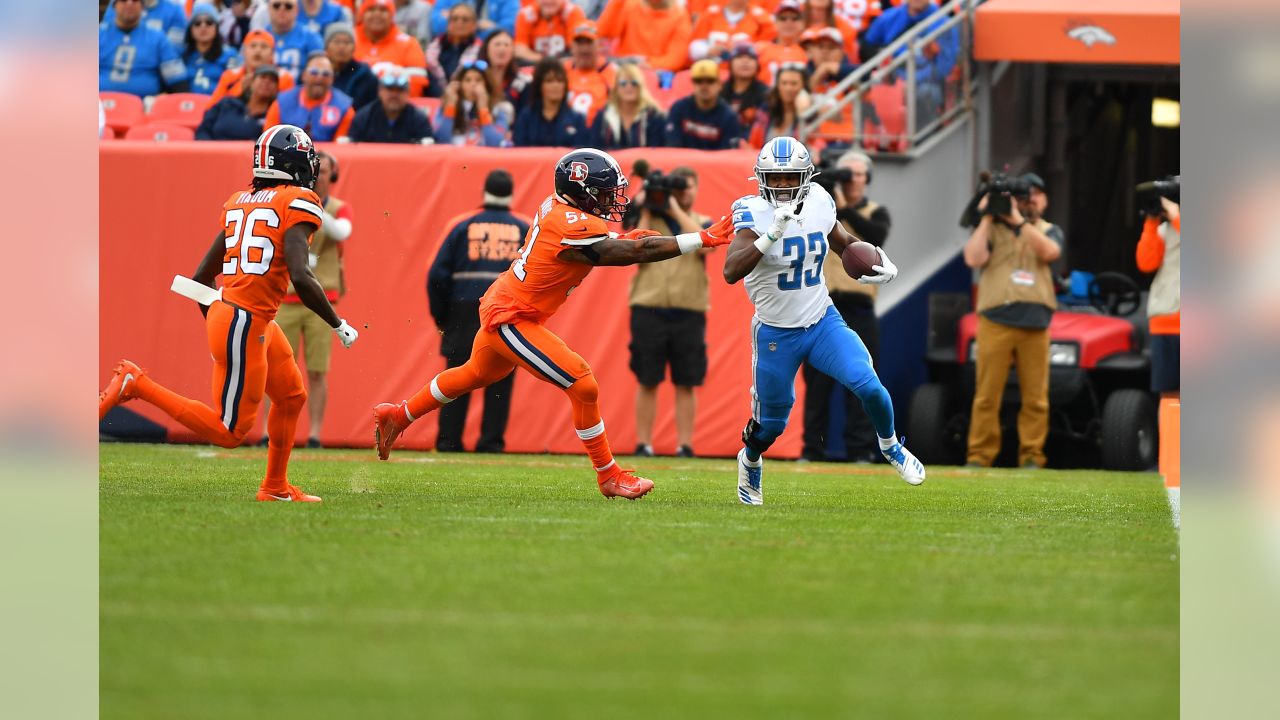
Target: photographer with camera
(1160, 251)
(669, 302)
(846, 180)
(1014, 247)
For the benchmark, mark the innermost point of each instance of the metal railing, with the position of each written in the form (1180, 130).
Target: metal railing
(895, 58)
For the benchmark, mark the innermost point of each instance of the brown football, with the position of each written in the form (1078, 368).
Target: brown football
(858, 258)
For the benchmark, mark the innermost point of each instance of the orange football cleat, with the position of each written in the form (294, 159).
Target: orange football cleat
(122, 387)
(292, 494)
(387, 426)
(625, 483)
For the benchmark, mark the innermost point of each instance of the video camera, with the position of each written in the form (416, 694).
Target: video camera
(1000, 191)
(830, 174)
(658, 189)
(1149, 194)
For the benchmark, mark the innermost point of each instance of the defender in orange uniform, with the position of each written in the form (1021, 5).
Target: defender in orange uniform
(567, 239)
(261, 248)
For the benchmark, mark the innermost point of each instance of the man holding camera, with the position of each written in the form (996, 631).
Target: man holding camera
(669, 302)
(1014, 247)
(1160, 251)
(855, 301)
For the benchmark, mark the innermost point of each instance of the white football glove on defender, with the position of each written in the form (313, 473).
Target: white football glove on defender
(346, 334)
(885, 271)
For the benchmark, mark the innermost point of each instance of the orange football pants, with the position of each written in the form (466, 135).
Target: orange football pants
(531, 346)
(251, 356)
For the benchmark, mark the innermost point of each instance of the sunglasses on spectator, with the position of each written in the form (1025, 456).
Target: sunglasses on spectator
(202, 21)
(462, 18)
(705, 81)
(628, 83)
(475, 65)
(282, 6)
(317, 72)
(788, 18)
(798, 67)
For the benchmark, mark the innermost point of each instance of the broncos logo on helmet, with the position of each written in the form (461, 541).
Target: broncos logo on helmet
(782, 157)
(285, 152)
(591, 181)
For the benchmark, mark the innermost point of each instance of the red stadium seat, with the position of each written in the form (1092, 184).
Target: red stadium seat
(122, 110)
(160, 132)
(179, 109)
(428, 105)
(890, 103)
(681, 86)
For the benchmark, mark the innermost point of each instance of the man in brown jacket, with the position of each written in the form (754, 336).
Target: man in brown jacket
(1015, 304)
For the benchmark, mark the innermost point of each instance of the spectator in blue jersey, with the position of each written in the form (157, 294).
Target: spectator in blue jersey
(474, 253)
(459, 45)
(934, 61)
(240, 117)
(324, 113)
(134, 58)
(703, 121)
(314, 15)
(205, 56)
(163, 16)
(548, 120)
(351, 76)
(294, 43)
(468, 114)
(491, 15)
(391, 119)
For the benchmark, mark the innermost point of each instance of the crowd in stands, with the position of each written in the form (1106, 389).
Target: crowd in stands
(605, 73)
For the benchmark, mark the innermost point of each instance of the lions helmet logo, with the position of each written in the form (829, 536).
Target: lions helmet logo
(578, 171)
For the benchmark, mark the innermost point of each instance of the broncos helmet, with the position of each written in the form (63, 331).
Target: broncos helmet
(591, 181)
(784, 156)
(285, 152)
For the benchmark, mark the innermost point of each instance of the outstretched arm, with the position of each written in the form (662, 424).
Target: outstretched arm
(646, 246)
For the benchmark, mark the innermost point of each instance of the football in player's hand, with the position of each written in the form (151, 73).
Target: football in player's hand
(858, 258)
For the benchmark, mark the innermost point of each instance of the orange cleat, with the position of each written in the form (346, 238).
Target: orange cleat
(122, 387)
(625, 483)
(292, 494)
(387, 426)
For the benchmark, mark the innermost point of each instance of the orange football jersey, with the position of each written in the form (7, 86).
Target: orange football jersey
(539, 281)
(589, 89)
(548, 36)
(254, 274)
(713, 26)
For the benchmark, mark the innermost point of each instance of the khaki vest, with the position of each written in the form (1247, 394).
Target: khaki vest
(324, 251)
(833, 267)
(1166, 294)
(1010, 254)
(680, 282)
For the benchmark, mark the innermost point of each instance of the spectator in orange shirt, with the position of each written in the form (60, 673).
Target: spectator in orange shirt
(744, 92)
(861, 13)
(324, 113)
(722, 27)
(459, 45)
(508, 80)
(656, 31)
(543, 29)
(259, 49)
(781, 113)
(381, 44)
(822, 13)
(590, 75)
(789, 21)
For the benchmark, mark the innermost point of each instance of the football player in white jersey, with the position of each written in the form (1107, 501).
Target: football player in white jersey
(781, 237)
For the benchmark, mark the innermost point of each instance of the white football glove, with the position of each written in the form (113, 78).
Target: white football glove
(885, 271)
(781, 217)
(346, 334)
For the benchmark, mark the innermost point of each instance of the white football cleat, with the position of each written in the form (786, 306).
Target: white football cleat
(908, 467)
(750, 480)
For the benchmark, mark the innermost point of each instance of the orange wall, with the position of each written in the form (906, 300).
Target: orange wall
(160, 211)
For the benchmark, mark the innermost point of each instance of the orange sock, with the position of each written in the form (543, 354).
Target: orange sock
(282, 422)
(584, 395)
(597, 444)
(195, 415)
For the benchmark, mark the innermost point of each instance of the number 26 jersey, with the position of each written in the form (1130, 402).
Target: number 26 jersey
(255, 276)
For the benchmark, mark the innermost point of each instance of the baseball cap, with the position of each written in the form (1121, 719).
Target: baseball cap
(1034, 180)
(388, 4)
(262, 35)
(790, 6)
(824, 33)
(394, 79)
(705, 69)
(267, 69)
(743, 49)
(204, 8)
(585, 30)
(339, 28)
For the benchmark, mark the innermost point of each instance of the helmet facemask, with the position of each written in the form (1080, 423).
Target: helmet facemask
(611, 203)
(779, 195)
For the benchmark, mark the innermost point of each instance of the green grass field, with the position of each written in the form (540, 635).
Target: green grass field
(449, 586)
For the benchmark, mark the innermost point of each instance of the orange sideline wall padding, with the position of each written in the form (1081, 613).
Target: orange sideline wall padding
(1120, 32)
(160, 207)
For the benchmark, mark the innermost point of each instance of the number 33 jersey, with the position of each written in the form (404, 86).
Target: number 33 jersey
(539, 281)
(254, 273)
(787, 286)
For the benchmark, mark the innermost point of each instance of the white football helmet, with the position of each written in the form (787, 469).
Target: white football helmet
(784, 156)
